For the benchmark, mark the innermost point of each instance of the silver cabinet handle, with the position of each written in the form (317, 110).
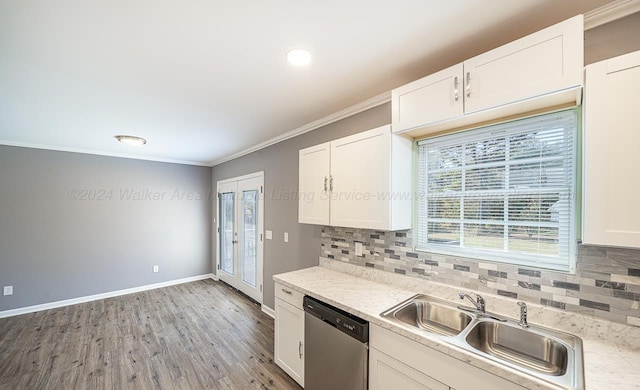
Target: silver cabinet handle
(325, 183)
(456, 96)
(300, 349)
(331, 184)
(286, 291)
(468, 84)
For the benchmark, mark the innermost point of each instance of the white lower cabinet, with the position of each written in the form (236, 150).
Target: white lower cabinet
(396, 362)
(386, 372)
(289, 333)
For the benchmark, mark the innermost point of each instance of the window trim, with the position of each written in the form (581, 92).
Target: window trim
(554, 263)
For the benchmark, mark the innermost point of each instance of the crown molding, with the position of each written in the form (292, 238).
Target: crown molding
(99, 153)
(609, 12)
(336, 116)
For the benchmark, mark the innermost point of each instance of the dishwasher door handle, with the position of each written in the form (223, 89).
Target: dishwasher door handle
(300, 349)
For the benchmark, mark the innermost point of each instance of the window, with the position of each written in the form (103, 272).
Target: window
(504, 192)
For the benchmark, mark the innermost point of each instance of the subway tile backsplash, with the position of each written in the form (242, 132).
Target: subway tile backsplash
(605, 285)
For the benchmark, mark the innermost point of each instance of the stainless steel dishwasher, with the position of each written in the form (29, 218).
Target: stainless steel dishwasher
(336, 347)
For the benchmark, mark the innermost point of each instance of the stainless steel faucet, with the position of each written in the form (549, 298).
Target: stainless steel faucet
(478, 303)
(523, 315)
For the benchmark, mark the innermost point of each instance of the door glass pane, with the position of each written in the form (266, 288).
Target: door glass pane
(250, 241)
(227, 207)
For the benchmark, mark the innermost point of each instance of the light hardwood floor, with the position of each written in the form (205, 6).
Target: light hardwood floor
(200, 335)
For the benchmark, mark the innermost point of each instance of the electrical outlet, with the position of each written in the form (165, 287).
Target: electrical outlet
(155, 268)
(358, 249)
(8, 290)
(269, 234)
(286, 237)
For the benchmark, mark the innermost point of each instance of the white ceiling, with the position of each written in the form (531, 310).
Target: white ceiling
(205, 79)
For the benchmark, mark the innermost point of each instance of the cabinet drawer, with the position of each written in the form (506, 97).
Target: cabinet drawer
(289, 295)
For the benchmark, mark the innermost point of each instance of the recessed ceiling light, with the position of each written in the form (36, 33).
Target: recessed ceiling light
(131, 140)
(298, 57)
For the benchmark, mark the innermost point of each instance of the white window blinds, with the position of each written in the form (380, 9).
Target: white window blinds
(504, 192)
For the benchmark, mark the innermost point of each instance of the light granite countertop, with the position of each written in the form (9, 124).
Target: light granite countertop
(611, 351)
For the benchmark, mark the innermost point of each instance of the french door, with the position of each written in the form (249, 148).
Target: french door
(240, 214)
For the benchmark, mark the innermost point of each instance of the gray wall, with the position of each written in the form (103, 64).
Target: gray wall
(280, 165)
(54, 245)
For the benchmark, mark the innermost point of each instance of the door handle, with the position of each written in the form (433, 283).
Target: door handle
(468, 86)
(325, 183)
(300, 349)
(286, 291)
(331, 184)
(234, 241)
(456, 95)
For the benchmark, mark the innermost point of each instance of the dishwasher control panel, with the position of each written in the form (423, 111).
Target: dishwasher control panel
(348, 323)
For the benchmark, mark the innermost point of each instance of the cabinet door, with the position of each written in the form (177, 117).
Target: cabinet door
(360, 170)
(430, 363)
(543, 62)
(611, 158)
(313, 185)
(431, 99)
(289, 337)
(386, 372)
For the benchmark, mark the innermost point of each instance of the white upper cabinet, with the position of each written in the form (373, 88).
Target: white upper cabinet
(546, 61)
(541, 69)
(431, 99)
(612, 153)
(368, 182)
(313, 195)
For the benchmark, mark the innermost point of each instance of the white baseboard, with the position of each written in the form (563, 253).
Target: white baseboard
(95, 297)
(269, 311)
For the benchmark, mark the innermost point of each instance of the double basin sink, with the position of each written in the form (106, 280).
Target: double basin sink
(546, 354)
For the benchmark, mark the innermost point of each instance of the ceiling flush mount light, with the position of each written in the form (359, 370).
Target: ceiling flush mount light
(131, 140)
(298, 57)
